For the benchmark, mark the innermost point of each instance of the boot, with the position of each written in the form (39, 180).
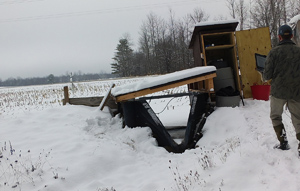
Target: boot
(281, 136)
(284, 146)
(298, 137)
(299, 149)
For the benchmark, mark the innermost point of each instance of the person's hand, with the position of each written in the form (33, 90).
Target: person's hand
(260, 70)
(261, 73)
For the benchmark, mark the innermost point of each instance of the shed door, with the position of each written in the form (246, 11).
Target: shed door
(250, 42)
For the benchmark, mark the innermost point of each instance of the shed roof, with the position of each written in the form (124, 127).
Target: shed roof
(211, 27)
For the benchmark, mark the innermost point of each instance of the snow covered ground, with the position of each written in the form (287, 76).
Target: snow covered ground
(47, 146)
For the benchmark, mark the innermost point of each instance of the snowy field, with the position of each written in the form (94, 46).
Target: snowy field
(47, 146)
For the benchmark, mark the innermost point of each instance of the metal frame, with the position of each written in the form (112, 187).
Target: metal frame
(138, 113)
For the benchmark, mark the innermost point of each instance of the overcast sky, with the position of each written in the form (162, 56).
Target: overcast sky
(42, 37)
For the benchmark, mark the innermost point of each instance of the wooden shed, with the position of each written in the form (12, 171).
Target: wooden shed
(220, 42)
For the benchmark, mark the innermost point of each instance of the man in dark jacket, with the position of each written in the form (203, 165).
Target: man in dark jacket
(283, 67)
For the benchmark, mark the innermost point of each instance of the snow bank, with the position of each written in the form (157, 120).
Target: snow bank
(293, 22)
(217, 22)
(82, 148)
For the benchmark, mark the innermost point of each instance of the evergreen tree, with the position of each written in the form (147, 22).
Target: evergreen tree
(50, 79)
(123, 59)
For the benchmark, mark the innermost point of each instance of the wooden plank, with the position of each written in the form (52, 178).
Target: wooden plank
(93, 102)
(106, 97)
(218, 33)
(250, 42)
(219, 47)
(209, 84)
(203, 51)
(197, 53)
(88, 101)
(166, 96)
(163, 87)
(235, 66)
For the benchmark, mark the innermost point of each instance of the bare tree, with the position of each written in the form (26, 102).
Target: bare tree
(231, 5)
(153, 36)
(292, 8)
(220, 17)
(238, 10)
(198, 15)
(269, 13)
(241, 10)
(163, 45)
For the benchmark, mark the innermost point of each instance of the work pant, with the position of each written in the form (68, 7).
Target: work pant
(277, 110)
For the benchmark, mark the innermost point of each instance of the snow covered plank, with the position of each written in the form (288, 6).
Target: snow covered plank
(164, 82)
(106, 97)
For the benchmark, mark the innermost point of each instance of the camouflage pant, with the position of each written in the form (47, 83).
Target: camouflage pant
(277, 110)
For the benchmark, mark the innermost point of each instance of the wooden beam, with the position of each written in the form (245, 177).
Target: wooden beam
(88, 101)
(162, 87)
(66, 95)
(209, 84)
(106, 98)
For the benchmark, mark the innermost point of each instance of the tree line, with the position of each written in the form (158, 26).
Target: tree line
(264, 13)
(163, 43)
(162, 47)
(51, 79)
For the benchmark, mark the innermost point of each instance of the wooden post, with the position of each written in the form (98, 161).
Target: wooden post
(66, 94)
(209, 84)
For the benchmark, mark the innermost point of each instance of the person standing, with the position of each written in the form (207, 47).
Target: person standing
(282, 66)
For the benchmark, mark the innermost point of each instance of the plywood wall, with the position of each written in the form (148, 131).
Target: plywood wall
(250, 42)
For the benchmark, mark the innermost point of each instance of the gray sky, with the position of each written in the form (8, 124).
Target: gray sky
(42, 37)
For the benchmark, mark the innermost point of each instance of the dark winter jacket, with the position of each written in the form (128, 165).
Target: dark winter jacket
(283, 67)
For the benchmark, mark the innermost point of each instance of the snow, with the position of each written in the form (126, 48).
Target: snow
(217, 22)
(82, 148)
(162, 79)
(293, 22)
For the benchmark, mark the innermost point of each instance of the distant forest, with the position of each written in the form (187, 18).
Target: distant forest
(51, 79)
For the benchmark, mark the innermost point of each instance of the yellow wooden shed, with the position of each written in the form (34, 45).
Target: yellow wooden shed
(219, 41)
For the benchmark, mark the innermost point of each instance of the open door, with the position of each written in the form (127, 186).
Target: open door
(250, 42)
